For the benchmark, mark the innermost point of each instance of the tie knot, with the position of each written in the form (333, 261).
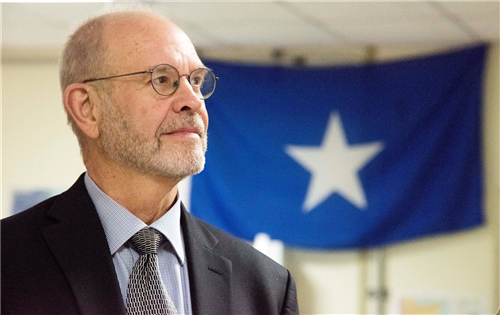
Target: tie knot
(147, 241)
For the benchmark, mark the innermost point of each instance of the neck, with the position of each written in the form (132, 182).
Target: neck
(148, 197)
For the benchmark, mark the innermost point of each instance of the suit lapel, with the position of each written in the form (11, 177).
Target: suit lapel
(209, 273)
(79, 244)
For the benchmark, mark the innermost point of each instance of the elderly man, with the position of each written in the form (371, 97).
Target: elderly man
(119, 240)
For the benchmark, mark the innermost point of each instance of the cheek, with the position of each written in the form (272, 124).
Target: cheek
(141, 121)
(144, 111)
(147, 115)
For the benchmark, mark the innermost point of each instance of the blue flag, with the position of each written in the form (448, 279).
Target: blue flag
(345, 157)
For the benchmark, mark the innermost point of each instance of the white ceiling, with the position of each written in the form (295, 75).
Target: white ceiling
(245, 26)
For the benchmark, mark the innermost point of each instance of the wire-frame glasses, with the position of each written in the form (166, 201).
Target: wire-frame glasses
(165, 80)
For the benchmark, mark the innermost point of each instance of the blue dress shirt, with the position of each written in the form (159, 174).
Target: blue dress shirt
(119, 226)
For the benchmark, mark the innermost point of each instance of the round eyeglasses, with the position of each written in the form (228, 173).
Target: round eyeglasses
(165, 80)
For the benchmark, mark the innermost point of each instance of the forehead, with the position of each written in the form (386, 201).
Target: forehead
(143, 40)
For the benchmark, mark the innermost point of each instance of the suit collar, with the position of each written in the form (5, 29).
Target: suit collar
(209, 273)
(79, 244)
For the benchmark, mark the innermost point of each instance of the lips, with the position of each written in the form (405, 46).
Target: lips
(181, 130)
(186, 130)
(188, 125)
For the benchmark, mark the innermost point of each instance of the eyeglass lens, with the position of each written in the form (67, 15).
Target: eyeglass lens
(165, 80)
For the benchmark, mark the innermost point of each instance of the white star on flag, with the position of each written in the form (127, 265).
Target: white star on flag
(334, 166)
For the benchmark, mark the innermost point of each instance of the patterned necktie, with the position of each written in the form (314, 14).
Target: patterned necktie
(145, 292)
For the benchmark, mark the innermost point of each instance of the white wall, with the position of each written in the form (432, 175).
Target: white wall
(39, 151)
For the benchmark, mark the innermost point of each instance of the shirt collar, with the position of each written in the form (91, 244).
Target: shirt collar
(120, 224)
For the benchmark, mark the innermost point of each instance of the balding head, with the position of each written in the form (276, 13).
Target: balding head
(103, 43)
(84, 54)
(135, 39)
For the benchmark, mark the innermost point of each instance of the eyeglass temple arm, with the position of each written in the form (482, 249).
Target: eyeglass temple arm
(116, 76)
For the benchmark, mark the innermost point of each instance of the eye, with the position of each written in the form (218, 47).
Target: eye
(196, 80)
(161, 80)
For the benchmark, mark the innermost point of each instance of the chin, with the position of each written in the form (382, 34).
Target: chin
(184, 167)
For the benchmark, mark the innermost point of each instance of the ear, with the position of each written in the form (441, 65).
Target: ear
(78, 99)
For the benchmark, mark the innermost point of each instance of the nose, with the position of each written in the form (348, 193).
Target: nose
(185, 99)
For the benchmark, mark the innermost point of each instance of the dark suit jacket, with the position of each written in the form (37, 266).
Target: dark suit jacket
(56, 260)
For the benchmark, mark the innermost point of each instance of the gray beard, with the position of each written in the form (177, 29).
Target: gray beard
(120, 143)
